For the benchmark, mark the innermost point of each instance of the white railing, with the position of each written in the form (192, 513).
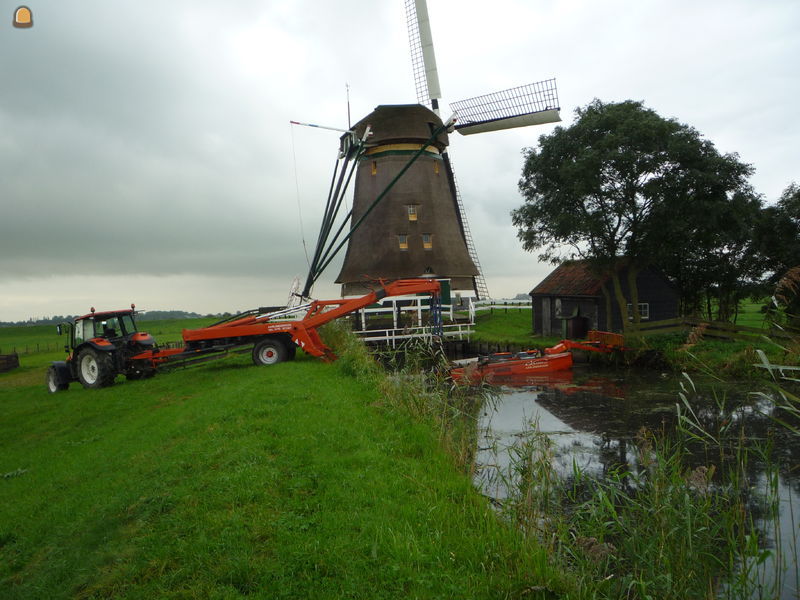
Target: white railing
(492, 305)
(409, 316)
(457, 331)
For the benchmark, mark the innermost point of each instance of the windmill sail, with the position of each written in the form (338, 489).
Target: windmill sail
(423, 59)
(532, 104)
(426, 81)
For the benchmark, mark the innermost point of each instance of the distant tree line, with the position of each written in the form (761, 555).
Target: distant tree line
(150, 315)
(622, 182)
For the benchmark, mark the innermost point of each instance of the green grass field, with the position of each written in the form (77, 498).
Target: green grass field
(230, 481)
(32, 339)
(509, 326)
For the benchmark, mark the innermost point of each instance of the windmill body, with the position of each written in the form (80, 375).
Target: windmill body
(416, 230)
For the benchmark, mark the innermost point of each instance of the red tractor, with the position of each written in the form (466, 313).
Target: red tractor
(101, 346)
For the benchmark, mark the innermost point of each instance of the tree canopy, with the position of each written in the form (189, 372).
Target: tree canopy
(777, 240)
(622, 181)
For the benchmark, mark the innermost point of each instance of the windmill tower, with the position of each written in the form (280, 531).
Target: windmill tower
(420, 227)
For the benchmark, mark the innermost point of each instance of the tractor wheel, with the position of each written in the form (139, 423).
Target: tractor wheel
(291, 351)
(95, 369)
(53, 385)
(269, 352)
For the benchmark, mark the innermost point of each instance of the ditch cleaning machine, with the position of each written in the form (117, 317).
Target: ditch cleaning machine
(103, 345)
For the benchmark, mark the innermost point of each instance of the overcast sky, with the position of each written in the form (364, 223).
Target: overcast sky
(146, 153)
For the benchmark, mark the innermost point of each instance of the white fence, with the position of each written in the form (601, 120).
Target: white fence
(410, 317)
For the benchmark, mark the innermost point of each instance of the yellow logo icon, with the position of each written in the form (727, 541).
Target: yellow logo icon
(23, 17)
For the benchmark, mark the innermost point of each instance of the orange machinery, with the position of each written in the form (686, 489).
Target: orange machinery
(274, 336)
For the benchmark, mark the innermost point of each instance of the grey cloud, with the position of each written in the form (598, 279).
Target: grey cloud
(152, 138)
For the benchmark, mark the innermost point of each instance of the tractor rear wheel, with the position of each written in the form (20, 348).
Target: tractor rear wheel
(95, 369)
(53, 384)
(269, 352)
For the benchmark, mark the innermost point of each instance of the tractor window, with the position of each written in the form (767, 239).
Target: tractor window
(108, 328)
(79, 335)
(128, 326)
(84, 330)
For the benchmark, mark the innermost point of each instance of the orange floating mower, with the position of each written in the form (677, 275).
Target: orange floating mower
(531, 362)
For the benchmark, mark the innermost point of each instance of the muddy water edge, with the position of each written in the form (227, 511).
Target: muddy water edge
(595, 462)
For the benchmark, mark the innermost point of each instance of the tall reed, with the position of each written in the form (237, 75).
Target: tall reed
(682, 516)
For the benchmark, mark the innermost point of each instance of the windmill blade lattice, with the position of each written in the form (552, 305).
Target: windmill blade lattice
(481, 288)
(423, 59)
(531, 104)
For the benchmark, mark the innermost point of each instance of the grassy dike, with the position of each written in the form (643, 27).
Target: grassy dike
(305, 480)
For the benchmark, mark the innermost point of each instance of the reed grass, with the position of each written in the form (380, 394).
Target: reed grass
(680, 518)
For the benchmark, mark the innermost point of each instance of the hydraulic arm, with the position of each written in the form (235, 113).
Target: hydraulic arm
(258, 326)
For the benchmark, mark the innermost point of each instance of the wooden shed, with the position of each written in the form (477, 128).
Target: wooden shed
(570, 300)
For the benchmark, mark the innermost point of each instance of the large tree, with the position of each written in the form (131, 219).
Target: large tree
(777, 240)
(622, 181)
(778, 233)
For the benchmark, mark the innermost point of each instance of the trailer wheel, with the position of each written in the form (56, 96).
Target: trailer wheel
(95, 369)
(269, 352)
(53, 384)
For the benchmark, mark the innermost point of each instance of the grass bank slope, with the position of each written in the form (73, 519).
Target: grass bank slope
(229, 481)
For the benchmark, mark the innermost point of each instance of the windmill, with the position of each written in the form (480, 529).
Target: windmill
(420, 227)
(407, 218)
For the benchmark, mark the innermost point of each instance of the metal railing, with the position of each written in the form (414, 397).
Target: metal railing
(392, 336)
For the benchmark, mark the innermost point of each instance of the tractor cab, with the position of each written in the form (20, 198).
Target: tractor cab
(104, 329)
(109, 326)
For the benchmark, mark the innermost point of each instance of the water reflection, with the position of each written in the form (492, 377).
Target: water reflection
(593, 419)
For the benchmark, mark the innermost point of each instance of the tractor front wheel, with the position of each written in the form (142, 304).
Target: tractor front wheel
(53, 384)
(95, 369)
(269, 352)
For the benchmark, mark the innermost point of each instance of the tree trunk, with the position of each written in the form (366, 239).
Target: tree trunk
(609, 306)
(633, 290)
(622, 302)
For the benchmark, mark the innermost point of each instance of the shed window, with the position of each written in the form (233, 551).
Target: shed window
(644, 311)
(427, 241)
(402, 241)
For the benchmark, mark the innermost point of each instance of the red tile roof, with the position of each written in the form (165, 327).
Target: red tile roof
(571, 278)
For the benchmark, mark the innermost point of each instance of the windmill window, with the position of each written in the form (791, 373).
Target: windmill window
(402, 241)
(427, 241)
(412, 212)
(436, 167)
(374, 167)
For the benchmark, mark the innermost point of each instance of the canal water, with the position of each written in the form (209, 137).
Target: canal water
(592, 419)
